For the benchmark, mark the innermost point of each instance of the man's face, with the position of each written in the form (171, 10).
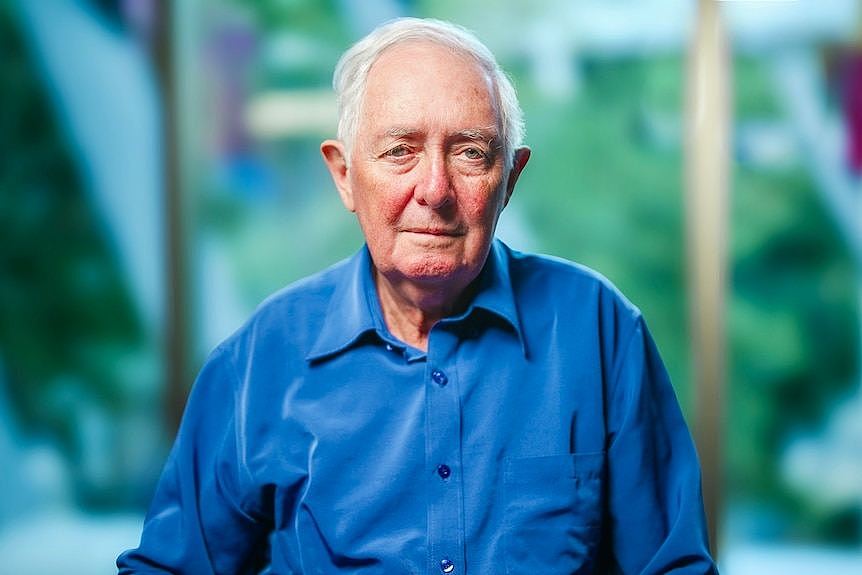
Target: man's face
(426, 172)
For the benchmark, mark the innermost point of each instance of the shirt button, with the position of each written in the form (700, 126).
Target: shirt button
(439, 377)
(444, 471)
(447, 566)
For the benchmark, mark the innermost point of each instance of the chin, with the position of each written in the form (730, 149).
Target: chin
(436, 269)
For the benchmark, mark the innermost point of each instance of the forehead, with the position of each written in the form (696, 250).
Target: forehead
(418, 83)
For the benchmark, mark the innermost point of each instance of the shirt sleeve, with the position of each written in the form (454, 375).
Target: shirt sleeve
(202, 520)
(657, 523)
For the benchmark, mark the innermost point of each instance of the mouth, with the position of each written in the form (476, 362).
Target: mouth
(444, 232)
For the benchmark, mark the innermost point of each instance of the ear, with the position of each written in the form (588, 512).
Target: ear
(335, 156)
(522, 155)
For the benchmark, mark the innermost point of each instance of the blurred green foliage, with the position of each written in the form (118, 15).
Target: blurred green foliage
(794, 323)
(315, 18)
(65, 314)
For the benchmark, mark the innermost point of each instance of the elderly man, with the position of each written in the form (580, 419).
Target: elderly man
(438, 403)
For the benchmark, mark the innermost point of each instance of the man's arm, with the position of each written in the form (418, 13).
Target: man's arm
(201, 520)
(657, 522)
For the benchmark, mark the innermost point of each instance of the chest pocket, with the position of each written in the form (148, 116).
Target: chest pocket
(553, 513)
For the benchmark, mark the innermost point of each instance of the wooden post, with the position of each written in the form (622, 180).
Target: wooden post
(176, 331)
(708, 154)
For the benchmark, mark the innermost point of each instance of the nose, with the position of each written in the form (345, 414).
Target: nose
(434, 188)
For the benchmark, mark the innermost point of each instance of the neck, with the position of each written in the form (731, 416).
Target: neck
(411, 310)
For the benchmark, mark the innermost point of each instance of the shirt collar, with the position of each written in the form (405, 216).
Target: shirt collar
(494, 293)
(354, 308)
(349, 315)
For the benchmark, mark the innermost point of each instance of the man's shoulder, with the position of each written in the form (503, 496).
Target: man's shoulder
(555, 268)
(307, 292)
(295, 312)
(553, 280)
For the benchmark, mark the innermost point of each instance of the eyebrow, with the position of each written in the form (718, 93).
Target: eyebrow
(400, 132)
(487, 134)
(483, 133)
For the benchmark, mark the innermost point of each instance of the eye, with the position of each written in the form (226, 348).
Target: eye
(474, 154)
(398, 151)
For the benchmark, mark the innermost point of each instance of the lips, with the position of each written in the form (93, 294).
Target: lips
(436, 231)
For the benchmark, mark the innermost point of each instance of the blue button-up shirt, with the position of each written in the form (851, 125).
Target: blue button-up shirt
(539, 434)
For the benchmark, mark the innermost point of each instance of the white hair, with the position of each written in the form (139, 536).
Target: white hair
(351, 75)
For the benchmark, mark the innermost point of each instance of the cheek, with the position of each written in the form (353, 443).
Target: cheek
(380, 212)
(482, 207)
(378, 205)
(379, 217)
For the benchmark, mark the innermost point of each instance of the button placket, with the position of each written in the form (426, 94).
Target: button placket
(443, 454)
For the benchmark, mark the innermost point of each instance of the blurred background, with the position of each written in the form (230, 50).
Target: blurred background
(160, 175)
